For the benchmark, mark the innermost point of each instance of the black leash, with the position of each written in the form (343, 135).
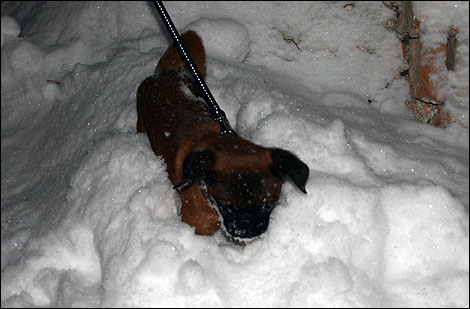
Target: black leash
(217, 113)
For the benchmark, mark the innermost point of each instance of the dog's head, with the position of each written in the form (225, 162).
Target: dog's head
(245, 188)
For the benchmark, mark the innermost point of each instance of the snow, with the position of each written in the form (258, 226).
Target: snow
(89, 216)
(226, 38)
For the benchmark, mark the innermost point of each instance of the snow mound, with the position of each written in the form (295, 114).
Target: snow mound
(10, 28)
(224, 38)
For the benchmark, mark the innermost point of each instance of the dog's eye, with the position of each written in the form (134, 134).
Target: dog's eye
(210, 178)
(266, 207)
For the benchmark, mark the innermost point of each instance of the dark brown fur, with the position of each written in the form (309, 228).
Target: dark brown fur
(179, 128)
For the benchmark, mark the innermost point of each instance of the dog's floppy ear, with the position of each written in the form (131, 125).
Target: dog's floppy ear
(196, 165)
(285, 162)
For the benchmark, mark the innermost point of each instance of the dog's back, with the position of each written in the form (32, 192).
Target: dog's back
(169, 107)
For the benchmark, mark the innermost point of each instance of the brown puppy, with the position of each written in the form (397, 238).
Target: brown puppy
(221, 177)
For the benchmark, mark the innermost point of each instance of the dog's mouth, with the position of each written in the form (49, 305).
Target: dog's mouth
(244, 225)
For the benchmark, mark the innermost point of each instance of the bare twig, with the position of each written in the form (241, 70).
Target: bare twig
(450, 48)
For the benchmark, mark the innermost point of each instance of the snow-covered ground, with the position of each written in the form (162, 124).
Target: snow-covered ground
(89, 217)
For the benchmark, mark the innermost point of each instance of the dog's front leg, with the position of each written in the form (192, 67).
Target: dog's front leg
(196, 211)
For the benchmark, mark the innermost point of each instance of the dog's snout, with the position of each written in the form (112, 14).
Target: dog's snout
(246, 219)
(246, 225)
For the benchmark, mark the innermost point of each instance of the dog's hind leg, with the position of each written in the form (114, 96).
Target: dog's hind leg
(140, 124)
(145, 88)
(172, 61)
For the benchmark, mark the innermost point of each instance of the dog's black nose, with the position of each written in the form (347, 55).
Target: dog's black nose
(246, 225)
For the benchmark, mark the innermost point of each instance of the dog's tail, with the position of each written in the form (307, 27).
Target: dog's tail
(172, 61)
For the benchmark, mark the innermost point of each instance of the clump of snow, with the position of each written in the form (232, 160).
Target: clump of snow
(224, 38)
(10, 28)
(437, 18)
(89, 216)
